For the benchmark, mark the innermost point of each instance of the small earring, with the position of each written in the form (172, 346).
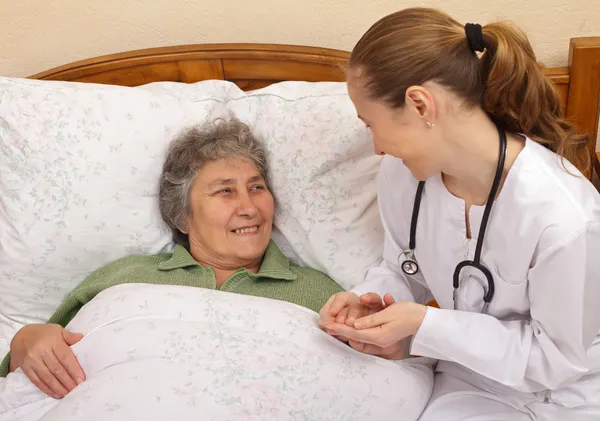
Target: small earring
(430, 125)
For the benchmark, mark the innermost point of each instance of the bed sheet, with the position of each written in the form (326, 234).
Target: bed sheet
(170, 352)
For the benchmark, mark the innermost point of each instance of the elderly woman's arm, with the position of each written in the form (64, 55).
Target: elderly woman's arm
(43, 351)
(310, 288)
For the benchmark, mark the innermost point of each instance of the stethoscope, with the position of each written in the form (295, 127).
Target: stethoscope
(410, 265)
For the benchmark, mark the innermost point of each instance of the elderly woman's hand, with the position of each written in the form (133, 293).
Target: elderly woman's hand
(346, 307)
(43, 353)
(383, 330)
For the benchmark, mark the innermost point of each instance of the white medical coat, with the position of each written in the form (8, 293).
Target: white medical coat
(542, 246)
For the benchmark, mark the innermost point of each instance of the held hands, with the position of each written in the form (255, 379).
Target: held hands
(346, 307)
(370, 325)
(43, 353)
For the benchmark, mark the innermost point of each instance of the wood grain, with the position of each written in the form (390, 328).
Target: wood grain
(192, 63)
(265, 69)
(583, 100)
(560, 78)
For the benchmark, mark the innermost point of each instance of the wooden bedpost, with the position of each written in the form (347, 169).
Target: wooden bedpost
(583, 103)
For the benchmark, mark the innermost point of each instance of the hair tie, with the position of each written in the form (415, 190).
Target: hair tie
(475, 36)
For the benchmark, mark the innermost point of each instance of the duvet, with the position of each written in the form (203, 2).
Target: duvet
(179, 353)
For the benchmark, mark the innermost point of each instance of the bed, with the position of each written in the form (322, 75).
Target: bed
(253, 66)
(68, 166)
(79, 166)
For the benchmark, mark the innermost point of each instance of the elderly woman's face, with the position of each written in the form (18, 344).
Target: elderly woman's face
(231, 212)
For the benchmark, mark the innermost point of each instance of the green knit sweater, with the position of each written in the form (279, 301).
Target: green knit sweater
(278, 278)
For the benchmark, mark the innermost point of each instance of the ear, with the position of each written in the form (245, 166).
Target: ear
(421, 101)
(184, 227)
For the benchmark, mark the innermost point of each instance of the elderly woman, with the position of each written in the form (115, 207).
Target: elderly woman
(214, 195)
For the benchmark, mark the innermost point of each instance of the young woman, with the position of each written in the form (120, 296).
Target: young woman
(486, 211)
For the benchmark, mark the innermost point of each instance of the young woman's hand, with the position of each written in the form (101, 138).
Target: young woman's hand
(43, 352)
(392, 352)
(383, 329)
(345, 307)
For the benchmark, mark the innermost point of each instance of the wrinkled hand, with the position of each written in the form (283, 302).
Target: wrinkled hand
(345, 308)
(385, 328)
(43, 352)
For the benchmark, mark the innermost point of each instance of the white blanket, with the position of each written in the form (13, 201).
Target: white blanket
(179, 353)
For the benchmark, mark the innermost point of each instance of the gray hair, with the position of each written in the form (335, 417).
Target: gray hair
(189, 152)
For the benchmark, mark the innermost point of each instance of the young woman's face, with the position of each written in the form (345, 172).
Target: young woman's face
(401, 132)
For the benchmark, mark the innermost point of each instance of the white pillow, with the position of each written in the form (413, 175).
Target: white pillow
(323, 173)
(79, 169)
(79, 166)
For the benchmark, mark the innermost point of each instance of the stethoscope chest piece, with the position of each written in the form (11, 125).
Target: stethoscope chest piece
(409, 265)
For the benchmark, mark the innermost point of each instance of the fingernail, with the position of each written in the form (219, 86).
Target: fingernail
(78, 380)
(332, 332)
(55, 396)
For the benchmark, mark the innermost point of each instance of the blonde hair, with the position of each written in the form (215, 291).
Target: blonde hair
(416, 45)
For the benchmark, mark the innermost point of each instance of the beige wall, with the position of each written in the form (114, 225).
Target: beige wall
(36, 35)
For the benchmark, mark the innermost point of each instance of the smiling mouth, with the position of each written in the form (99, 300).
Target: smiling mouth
(246, 230)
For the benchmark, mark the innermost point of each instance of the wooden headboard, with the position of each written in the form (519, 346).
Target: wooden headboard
(253, 66)
(250, 66)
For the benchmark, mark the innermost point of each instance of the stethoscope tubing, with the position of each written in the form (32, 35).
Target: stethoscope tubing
(410, 265)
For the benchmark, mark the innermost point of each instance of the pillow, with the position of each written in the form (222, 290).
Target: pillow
(323, 173)
(79, 168)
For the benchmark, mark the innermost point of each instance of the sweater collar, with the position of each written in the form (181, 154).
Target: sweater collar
(275, 264)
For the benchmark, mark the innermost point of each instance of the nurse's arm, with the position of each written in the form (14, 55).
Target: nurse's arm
(547, 351)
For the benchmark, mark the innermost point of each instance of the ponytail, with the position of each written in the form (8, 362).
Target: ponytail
(417, 45)
(523, 98)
